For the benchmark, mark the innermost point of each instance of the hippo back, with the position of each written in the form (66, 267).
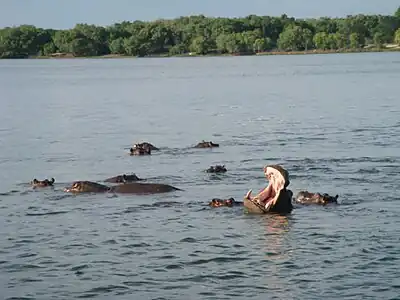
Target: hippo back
(144, 188)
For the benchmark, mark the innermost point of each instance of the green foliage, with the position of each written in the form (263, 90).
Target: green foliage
(397, 13)
(199, 45)
(202, 35)
(356, 40)
(295, 38)
(397, 37)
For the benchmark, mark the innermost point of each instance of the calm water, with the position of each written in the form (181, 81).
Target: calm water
(333, 121)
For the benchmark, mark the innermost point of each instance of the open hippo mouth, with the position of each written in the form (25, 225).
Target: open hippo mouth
(278, 180)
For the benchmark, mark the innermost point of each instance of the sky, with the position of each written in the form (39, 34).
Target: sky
(60, 14)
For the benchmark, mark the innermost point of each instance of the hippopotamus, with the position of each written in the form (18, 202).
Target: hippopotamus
(42, 183)
(127, 188)
(146, 145)
(123, 178)
(305, 197)
(216, 169)
(275, 198)
(216, 202)
(204, 144)
(139, 150)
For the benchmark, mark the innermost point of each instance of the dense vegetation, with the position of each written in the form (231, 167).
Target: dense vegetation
(203, 35)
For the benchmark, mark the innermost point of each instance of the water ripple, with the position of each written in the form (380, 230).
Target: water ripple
(55, 245)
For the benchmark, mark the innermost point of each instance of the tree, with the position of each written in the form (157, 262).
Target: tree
(199, 45)
(202, 35)
(294, 38)
(356, 41)
(322, 40)
(261, 45)
(397, 37)
(379, 39)
(117, 46)
(397, 13)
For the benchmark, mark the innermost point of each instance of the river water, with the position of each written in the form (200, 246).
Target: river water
(333, 121)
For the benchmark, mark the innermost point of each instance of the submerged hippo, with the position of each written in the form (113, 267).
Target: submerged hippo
(204, 144)
(123, 178)
(146, 145)
(274, 198)
(42, 183)
(127, 188)
(216, 169)
(139, 150)
(305, 197)
(216, 202)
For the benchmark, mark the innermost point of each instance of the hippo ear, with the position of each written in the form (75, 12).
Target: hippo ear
(52, 180)
(35, 180)
(337, 196)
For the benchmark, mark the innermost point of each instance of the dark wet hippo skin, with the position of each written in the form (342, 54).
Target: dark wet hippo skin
(146, 145)
(284, 203)
(216, 202)
(127, 188)
(306, 197)
(42, 183)
(123, 178)
(216, 169)
(204, 144)
(139, 150)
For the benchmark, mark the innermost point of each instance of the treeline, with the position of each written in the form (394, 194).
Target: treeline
(203, 35)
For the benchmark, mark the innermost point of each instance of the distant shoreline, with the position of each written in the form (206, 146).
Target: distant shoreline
(267, 53)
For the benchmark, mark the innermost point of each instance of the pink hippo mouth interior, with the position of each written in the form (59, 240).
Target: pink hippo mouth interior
(277, 182)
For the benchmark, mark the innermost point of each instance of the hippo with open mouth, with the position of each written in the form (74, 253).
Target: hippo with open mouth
(42, 183)
(216, 169)
(123, 178)
(216, 202)
(204, 144)
(306, 197)
(127, 188)
(275, 197)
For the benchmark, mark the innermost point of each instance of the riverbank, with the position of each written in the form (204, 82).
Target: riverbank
(306, 52)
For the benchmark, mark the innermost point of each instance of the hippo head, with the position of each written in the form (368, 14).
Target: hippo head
(328, 199)
(277, 176)
(204, 144)
(147, 145)
(86, 187)
(138, 149)
(222, 202)
(42, 183)
(275, 197)
(306, 197)
(128, 178)
(211, 144)
(217, 169)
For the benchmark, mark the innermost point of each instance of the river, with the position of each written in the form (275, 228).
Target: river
(333, 121)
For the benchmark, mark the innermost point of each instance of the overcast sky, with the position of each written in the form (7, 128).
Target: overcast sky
(65, 14)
